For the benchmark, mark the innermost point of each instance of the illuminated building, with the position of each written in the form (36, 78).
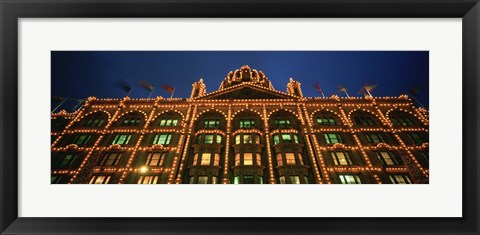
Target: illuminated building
(245, 132)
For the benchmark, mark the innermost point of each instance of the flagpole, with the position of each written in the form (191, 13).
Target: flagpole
(323, 95)
(416, 100)
(172, 92)
(151, 92)
(61, 103)
(368, 92)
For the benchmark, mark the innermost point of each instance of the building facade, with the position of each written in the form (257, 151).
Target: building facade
(246, 132)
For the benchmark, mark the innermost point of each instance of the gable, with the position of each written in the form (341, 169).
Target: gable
(248, 92)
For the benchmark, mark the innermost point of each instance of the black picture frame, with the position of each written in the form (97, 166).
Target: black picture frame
(11, 11)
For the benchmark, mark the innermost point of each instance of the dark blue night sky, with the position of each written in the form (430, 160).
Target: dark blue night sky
(79, 74)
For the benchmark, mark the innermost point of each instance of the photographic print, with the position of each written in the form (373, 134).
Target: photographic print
(239, 117)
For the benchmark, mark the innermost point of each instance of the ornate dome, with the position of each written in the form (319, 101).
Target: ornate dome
(245, 75)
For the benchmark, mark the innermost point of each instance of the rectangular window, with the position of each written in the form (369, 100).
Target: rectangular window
(122, 139)
(147, 179)
(163, 139)
(290, 158)
(282, 123)
(203, 180)
(211, 123)
(191, 180)
(374, 138)
(95, 122)
(415, 138)
(294, 179)
(67, 160)
(208, 139)
(260, 179)
(282, 180)
(333, 138)
(236, 180)
(386, 158)
(245, 124)
(326, 121)
(111, 159)
(219, 139)
(295, 138)
(364, 121)
(81, 139)
(238, 139)
(168, 122)
(247, 159)
(214, 180)
(287, 138)
(216, 159)
(279, 159)
(350, 179)
(237, 159)
(248, 179)
(400, 179)
(100, 179)
(195, 159)
(205, 159)
(259, 159)
(341, 158)
(155, 159)
(276, 139)
(131, 122)
(247, 139)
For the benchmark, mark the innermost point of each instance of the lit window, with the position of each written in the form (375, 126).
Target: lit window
(350, 179)
(148, 179)
(300, 158)
(247, 159)
(247, 139)
(282, 180)
(259, 159)
(219, 139)
(205, 159)
(279, 159)
(95, 122)
(214, 180)
(326, 121)
(111, 159)
(290, 158)
(191, 180)
(155, 159)
(341, 158)
(244, 124)
(374, 138)
(400, 179)
(386, 158)
(81, 139)
(216, 159)
(415, 138)
(131, 122)
(67, 160)
(121, 139)
(211, 123)
(195, 159)
(203, 180)
(287, 138)
(295, 138)
(276, 140)
(208, 139)
(168, 122)
(282, 123)
(238, 139)
(100, 179)
(305, 179)
(294, 179)
(237, 159)
(364, 120)
(333, 138)
(236, 180)
(260, 179)
(163, 139)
